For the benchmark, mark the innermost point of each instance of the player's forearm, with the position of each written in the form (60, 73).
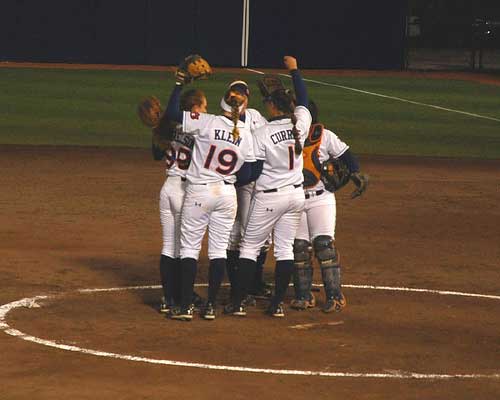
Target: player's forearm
(350, 160)
(158, 153)
(173, 111)
(300, 88)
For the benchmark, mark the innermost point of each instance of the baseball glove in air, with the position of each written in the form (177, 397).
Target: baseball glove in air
(191, 68)
(149, 111)
(269, 84)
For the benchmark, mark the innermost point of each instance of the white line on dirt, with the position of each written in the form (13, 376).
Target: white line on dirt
(315, 325)
(418, 103)
(32, 302)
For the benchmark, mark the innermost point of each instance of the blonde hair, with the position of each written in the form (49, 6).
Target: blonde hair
(234, 99)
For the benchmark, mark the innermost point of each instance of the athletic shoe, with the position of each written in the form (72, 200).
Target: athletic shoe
(198, 301)
(209, 312)
(335, 303)
(237, 311)
(276, 311)
(304, 304)
(165, 308)
(262, 291)
(249, 301)
(184, 314)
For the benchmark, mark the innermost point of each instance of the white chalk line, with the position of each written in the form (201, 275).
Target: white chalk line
(32, 302)
(418, 103)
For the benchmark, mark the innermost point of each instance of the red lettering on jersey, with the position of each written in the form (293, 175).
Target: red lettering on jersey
(195, 115)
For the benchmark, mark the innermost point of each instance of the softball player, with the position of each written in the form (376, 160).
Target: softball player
(279, 199)
(317, 225)
(222, 145)
(177, 157)
(244, 193)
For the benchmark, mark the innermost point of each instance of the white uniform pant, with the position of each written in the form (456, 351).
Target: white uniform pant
(171, 199)
(280, 211)
(214, 206)
(318, 217)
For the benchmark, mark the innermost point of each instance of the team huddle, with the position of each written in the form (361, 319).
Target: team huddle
(252, 182)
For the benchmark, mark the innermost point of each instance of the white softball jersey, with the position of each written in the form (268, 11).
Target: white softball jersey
(320, 211)
(178, 156)
(274, 143)
(216, 156)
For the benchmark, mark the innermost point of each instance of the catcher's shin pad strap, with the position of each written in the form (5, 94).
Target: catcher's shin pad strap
(312, 165)
(335, 174)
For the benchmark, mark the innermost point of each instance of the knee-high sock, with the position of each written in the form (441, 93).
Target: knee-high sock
(188, 275)
(216, 271)
(244, 278)
(282, 276)
(167, 274)
(177, 281)
(232, 266)
(259, 271)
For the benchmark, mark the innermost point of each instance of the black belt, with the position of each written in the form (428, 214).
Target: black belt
(225, 183)
(318, 192)
(275, 190)
(183, 179)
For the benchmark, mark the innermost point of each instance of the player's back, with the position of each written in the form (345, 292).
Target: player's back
(178, 156)
(217, 153)
(274, 143)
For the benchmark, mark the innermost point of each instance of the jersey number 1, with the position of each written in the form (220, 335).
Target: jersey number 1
(291, 157)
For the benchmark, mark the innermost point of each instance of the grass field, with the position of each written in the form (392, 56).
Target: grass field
(89, 107)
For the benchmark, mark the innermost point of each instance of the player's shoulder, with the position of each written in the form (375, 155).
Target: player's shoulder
(329, 134)
(255, 118)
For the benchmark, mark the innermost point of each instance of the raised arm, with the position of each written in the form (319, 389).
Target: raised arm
(298, 83)
(174, 111)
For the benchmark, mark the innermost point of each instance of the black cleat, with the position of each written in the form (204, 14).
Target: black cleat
(237, 311)
(183, 314)
(165, 307)
(276, 311)
(208, 312)
(262, 291)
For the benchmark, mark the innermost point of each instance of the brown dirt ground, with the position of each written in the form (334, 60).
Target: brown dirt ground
(87, 217)
(484, 78)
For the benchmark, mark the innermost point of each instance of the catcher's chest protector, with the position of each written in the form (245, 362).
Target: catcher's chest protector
(312, 165)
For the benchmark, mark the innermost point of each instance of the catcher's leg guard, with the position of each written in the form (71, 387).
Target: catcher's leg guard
(327, 255)
(302, 274)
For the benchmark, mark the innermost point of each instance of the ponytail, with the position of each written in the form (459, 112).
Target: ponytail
(234, 100)
(235, 116)
(296, 134)
(284, 101)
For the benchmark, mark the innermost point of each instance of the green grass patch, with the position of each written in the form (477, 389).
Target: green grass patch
(97, 108)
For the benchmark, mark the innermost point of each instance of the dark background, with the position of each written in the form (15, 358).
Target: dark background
(322, 33)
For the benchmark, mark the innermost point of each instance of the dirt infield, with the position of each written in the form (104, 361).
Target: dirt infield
(87, 217)
(484, 78)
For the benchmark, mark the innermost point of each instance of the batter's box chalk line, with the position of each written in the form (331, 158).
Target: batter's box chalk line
(36, 302)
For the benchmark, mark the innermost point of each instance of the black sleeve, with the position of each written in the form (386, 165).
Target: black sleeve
(158, 153)
(300, 88)
(350, 160)
(174, 111)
